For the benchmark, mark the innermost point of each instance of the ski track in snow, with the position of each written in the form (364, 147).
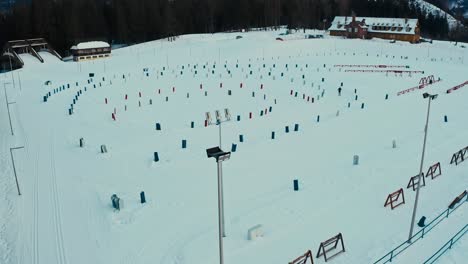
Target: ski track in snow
(6, 184)
(61, 254)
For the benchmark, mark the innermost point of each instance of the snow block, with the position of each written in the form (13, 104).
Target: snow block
(255, 232)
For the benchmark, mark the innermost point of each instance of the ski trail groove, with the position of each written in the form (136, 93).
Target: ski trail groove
(61, 256)
(35, 229)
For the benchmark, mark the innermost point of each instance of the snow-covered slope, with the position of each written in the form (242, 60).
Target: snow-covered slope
(430, 8)
(64, 214)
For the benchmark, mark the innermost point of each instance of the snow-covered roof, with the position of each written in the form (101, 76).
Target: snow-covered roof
(395, 25)
(91, 45)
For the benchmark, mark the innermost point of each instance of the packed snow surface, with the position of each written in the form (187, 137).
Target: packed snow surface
(64, 213)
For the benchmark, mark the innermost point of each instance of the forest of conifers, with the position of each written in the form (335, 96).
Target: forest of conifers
(66, 22)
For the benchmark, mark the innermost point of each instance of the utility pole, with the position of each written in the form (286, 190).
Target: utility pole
(14, 168)
(8, 108)
(11, 70)
(220, 156)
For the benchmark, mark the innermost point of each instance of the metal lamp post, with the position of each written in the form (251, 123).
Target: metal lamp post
(430, 97)
(14, 168)
(220, 156)
(8, 107)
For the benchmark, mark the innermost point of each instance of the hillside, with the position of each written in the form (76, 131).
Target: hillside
(430, 8)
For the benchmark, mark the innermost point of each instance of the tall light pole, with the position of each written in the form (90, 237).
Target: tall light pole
(430, 97)
(219, 120)
(11, 70)
(14, 168)
(220, 156)
(8, 107)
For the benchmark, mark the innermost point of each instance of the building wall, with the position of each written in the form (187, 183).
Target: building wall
(337, 33)
(401, 37)
(90, 57)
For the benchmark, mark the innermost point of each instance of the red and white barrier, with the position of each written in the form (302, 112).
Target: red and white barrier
(425, 81)
(457, 87)
(394, 71)
(368, 66)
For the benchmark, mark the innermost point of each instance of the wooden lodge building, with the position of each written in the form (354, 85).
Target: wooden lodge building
(90, 50)
(401, 29)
